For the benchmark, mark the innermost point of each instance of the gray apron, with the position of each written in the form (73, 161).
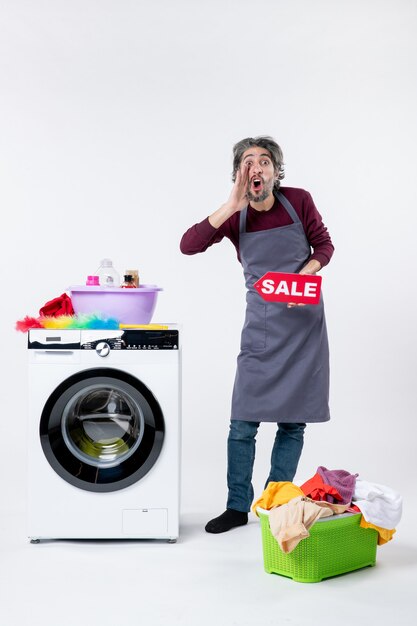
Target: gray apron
(283, 365)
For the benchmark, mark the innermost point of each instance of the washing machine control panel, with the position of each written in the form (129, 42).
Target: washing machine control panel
(131, 340)
(103, 341)
(100, 342)
(150, 340)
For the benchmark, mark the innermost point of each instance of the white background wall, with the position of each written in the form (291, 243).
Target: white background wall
(117, 122)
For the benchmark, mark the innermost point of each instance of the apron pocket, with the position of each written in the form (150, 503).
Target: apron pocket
(254, 329)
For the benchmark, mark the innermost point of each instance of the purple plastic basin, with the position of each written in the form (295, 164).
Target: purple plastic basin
(128, 306)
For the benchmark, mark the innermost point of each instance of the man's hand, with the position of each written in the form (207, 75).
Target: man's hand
(311, 268)
(237, 201)
(238, 198)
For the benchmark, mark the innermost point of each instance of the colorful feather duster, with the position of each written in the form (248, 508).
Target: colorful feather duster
(27, 323)
(65, 322)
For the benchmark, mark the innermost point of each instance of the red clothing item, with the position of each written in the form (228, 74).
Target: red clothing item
(58, 306)
(316, 489)
(203, 235)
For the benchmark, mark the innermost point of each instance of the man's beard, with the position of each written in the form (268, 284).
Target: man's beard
(262, 196)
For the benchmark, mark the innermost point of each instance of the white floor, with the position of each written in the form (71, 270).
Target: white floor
(202, 579)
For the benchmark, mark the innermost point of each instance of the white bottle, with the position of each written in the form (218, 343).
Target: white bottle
(108, 276)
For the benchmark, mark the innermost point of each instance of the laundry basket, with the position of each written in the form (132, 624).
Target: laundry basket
(335, 546)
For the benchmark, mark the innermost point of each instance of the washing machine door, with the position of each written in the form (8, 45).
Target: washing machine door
(102, 430)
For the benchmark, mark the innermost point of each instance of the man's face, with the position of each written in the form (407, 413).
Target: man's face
(262, 175)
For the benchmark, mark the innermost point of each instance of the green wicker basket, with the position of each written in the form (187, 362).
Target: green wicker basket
(335, 546)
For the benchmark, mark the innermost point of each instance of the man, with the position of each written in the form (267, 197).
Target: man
(283, 367)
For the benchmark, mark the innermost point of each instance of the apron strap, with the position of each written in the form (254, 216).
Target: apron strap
(242, 220)
(288, 207)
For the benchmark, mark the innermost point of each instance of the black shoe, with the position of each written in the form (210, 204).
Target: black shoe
(226, 521)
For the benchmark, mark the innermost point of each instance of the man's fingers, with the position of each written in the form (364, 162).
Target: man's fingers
(244, 173)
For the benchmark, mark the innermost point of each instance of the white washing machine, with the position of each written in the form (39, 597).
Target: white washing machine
(104, 434)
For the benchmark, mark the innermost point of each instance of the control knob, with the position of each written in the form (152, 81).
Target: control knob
(103, 348)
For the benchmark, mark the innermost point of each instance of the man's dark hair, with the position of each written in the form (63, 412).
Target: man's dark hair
(261, 142)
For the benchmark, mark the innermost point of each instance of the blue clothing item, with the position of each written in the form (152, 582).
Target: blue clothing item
(241, 442)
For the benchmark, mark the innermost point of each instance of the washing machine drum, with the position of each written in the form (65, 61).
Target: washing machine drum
(102, 430)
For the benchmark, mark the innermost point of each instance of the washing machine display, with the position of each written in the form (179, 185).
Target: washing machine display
(102, 430)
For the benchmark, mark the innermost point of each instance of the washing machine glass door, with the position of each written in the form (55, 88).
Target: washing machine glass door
(102, 430)
(103, 424)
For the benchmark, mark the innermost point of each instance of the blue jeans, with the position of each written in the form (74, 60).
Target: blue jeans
(285, 455)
